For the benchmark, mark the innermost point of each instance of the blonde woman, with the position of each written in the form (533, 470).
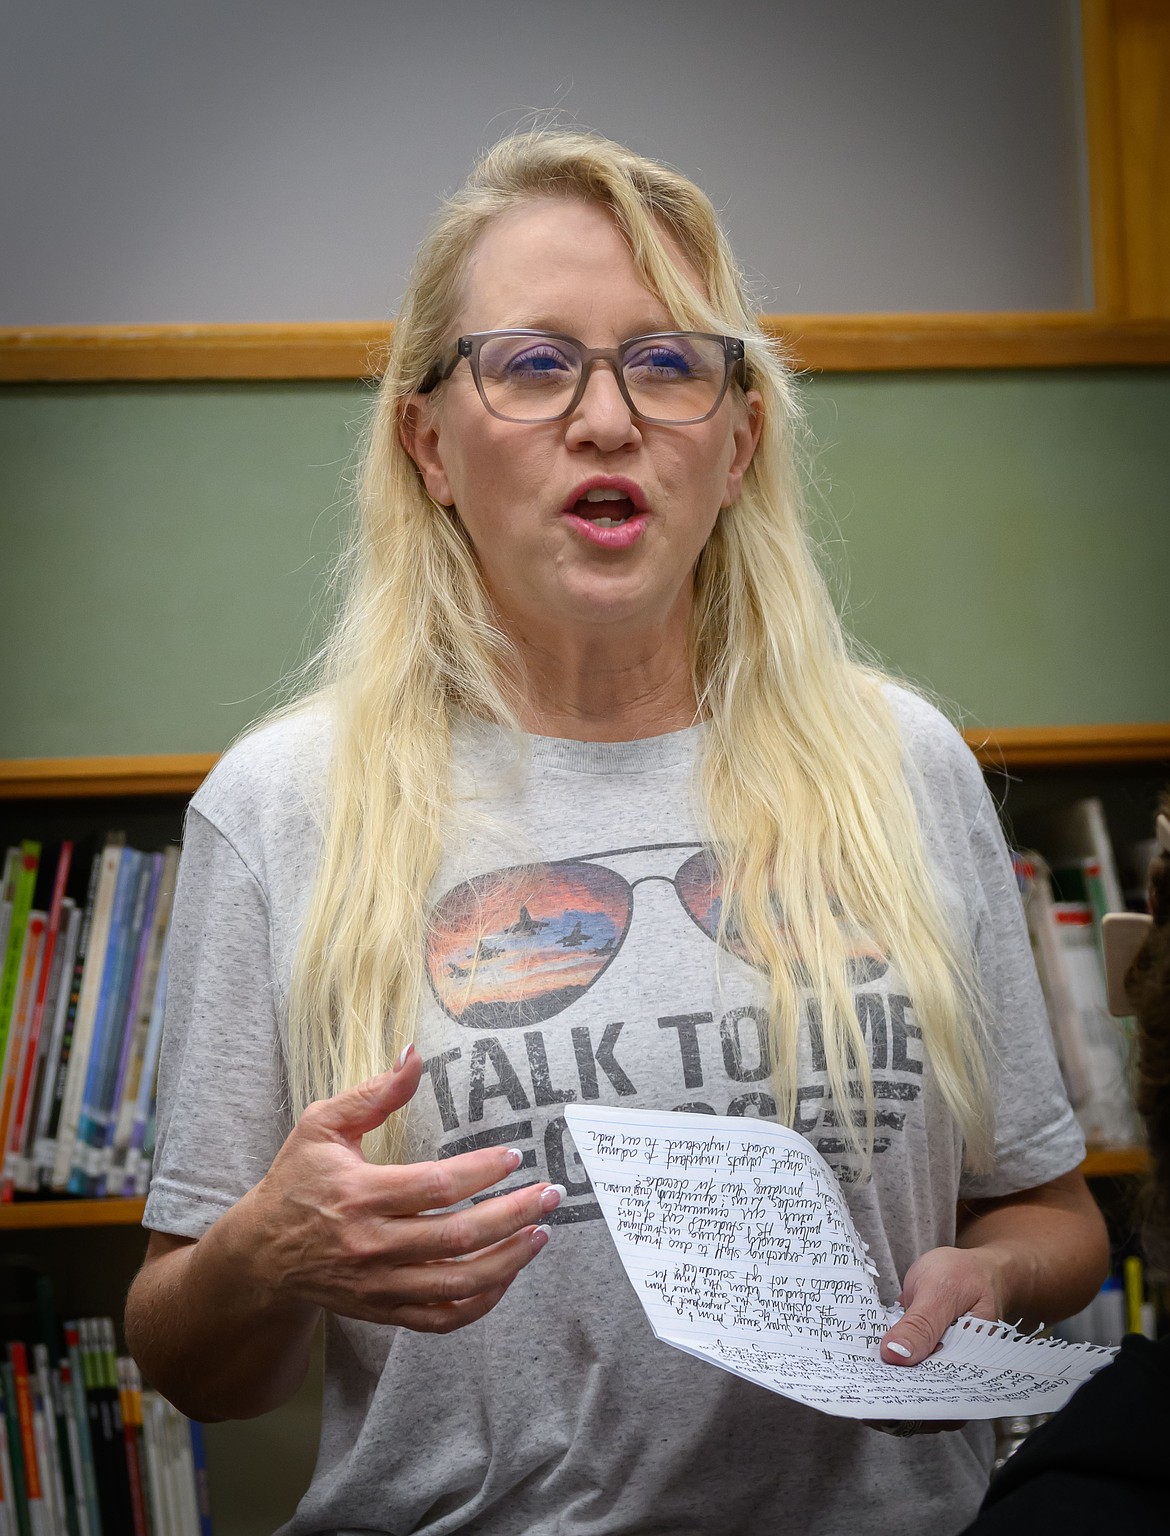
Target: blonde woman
(591, 804)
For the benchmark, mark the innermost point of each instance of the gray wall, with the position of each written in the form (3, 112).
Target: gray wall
(251, 160)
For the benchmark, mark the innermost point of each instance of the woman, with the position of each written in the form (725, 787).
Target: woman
(593, 805)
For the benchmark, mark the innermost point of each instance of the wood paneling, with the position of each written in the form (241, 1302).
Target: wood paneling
(349, 350)
(1127, 109)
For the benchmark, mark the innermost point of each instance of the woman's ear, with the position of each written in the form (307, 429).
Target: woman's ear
(418, 431)
(745, 436)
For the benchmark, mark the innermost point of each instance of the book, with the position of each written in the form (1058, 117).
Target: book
(12, 1071)
(126, 924)
(22, 884)
(11, 1162)
(57, 1069)
(87, 1004)
(137, 1072)
(739, 1243)
(52, 1030)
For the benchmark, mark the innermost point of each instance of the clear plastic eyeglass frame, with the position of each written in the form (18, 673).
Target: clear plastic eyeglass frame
(469, 347)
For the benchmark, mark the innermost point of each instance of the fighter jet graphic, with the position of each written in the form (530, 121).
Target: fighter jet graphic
(575, 939)
(526, 925)
(487, 951)
(460, 972)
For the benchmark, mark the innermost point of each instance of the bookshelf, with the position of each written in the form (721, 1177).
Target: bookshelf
(1025, 765)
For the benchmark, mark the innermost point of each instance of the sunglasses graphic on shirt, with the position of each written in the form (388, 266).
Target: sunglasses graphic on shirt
(516, 946)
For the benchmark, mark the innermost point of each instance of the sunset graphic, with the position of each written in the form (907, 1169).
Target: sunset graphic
(514, 947)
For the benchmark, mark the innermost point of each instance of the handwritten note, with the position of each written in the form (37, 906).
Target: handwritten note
(739, 1243)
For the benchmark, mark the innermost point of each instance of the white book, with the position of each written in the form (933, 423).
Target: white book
(1106, 1112)
(1050, 964)
(54, 1477)
(68, 1412)
(91, 984)
(41, 1150)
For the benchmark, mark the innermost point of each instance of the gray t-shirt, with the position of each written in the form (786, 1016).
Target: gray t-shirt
(570, 958)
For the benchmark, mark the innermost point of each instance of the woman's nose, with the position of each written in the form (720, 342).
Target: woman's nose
(603, 415)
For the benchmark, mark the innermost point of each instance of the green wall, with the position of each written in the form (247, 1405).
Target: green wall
(1005, 539)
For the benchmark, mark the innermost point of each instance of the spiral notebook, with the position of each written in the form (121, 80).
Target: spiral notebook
(742, 1250)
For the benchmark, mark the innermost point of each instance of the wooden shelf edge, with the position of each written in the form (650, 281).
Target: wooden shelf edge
(1049, 746)
(41, 1214)
(1071, 746)
(33, 778)
(346, 349)
(1114, 1162)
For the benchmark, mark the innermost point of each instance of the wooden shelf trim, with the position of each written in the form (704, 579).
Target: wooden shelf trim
(348, 349)
(29, 1214)
(1051, 746)
(1101, 1162)
(1071, 746)
(54, 778)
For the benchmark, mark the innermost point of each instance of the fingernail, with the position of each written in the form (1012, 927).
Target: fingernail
(515, 1156)
(540, 1236)
(898, 1349)
(401, 1062)
(552, 1197)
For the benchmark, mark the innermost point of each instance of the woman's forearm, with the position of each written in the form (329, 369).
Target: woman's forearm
(1034, 1257)
(209, 1331)
(1050, 1245)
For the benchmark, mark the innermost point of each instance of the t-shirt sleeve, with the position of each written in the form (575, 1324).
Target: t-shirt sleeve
(1036, 1135)
(222, 1104)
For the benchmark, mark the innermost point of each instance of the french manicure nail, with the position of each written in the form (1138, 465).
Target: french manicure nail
(552, 1197)
(898, 1349)
(514, 1156)
(405, 1052)
(540, 1236)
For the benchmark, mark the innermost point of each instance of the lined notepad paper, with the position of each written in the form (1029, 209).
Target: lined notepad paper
(741, 1247)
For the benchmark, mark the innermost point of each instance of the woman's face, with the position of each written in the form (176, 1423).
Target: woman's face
(562, 266)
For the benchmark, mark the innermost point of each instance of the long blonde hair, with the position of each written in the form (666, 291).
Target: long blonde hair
(806, 802)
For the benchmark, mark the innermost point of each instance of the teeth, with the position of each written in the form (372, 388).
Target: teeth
(607, 522)
(604, 493)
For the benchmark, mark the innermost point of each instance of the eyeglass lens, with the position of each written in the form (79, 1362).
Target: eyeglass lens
(668, 378)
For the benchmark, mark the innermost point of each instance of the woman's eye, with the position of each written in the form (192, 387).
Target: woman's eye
(661, 360)
(546, 360)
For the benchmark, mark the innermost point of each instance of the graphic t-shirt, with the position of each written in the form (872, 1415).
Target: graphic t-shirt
(571, 957)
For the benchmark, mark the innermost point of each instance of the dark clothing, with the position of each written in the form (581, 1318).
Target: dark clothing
(1102, 1465)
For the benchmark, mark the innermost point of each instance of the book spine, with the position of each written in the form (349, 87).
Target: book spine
(146, 1083)
(105, 1019)
(22, 899)
(46, 1153)
(56, 1007)
(77, 1383)
(53, 1465)
(34, 1050)
(18, 1034)
(73, 1441)
(15, 1450)
(128, 1104)
(202, 1483)
(33, 1490)
(112, 1098)
(130, 1435)
(9, 1523)
(81, 1039)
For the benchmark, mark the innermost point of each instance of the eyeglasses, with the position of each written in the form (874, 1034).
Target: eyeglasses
(509, 949)
(670, 378)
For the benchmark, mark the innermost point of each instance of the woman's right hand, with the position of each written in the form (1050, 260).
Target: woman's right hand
(377, 1242)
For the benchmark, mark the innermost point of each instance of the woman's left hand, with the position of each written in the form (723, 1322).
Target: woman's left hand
(941, 1286)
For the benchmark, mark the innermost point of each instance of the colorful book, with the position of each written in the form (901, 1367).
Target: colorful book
(48, 976)
(23, 884)
(87, 1005)
(18, 1033)
(52, 1030)
(109, 1020)
(45, 1151)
